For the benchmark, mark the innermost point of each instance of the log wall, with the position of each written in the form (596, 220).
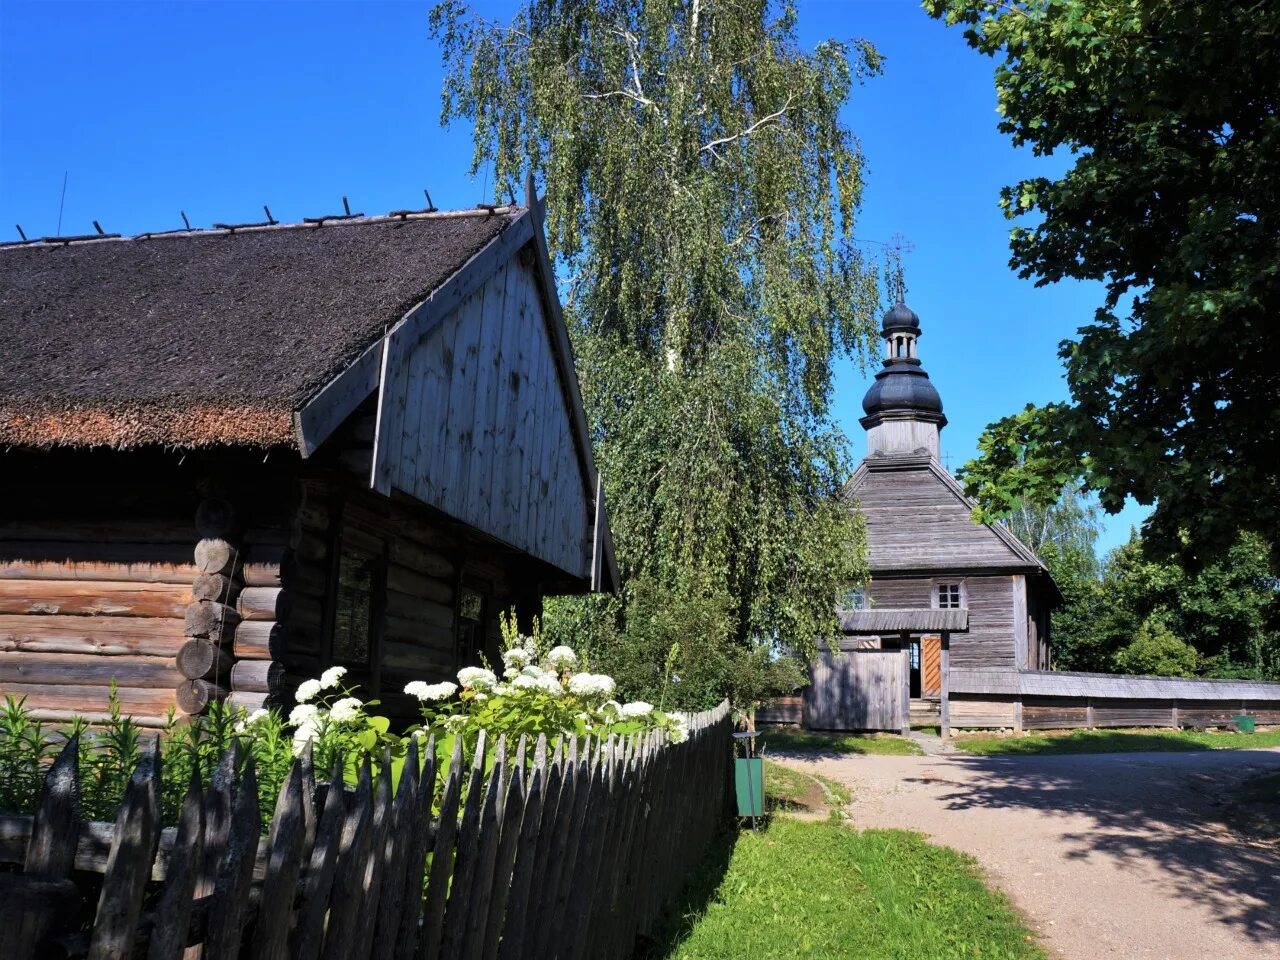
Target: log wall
(123, 568)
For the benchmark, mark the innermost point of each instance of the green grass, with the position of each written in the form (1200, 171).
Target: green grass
(822, 891)
(787, 789)
(802, 741)
(1117, 741)
(929, 728)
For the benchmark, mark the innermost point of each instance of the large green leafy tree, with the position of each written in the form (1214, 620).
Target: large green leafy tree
(1168, 109)
(1064, 535)
(1147, 607)
(701, 194)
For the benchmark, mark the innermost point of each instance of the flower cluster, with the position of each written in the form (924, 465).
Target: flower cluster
(537, 693)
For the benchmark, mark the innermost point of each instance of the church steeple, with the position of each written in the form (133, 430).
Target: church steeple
(904, 412)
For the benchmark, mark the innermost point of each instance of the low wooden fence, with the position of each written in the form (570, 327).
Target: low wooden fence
(1048, 700)
(570, 853)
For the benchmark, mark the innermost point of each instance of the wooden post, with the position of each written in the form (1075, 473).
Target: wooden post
(1088, 712)
(1173, 713)
(944, 711)
(906, 688)
(1017, 715)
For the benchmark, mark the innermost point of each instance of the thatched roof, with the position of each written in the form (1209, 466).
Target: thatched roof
(208, 337)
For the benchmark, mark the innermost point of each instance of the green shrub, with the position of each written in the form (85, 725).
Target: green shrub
(1156, 651)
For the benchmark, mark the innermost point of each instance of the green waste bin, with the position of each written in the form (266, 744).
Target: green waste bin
(1245, 723)
(748, 780)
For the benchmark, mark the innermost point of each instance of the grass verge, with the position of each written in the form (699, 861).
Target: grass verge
(803, 741)
(788, 790)
(1117, 741)
(819, 889)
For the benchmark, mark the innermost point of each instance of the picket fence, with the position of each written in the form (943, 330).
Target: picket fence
(571, 853)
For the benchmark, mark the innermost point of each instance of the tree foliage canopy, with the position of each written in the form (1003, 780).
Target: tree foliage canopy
(701, 194)
(1172, 201)
(1223, 612)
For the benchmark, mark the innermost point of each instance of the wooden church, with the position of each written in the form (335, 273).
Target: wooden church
(233, 457)
(944, 591)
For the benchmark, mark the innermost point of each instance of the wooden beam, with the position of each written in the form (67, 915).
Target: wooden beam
(337, 400)
(944, 718)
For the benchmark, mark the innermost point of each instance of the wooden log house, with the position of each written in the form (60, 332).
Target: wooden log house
(233, 457)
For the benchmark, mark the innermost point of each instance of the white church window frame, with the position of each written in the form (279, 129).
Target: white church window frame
(956, 594)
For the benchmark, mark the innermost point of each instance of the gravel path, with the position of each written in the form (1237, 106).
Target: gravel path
(1107, 855)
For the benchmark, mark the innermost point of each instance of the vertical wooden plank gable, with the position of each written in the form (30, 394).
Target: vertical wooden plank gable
(494, 443)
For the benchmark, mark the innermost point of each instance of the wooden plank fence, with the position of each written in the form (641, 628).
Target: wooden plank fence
(1050, 700)
(564, 851)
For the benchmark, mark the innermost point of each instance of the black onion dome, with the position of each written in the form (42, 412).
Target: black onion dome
(901, 319)
(902, 385)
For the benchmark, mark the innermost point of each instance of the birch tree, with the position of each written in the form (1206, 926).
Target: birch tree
(701, 196)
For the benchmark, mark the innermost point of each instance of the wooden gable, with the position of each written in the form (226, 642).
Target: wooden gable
(480, 415)
(919, 519)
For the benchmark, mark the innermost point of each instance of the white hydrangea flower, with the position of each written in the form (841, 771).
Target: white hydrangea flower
(303, 713)
(348, 708)
(611, 706)
(332, 677)
(562, 658)
(679, 730)
(431, 691)
(510, 673)
(256, 717)
(516, 658)
(591, 685)
(525, 682)
(308, 690)
(456, 723)
(477, 677)
(420, 734)
(550, 685)
(637, 709)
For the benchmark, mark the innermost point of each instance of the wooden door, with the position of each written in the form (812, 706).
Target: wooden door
(931, 665)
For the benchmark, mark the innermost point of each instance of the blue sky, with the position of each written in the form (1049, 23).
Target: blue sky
(218, 107)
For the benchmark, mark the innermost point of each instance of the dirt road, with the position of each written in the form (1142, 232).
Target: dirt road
(1108, 855)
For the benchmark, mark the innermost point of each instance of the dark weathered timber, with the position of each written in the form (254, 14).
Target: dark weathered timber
(51, 850)
(345, 900)
(374, 866)
(395, 857)
(429, 938)
(518, 897)
(115, 924)
(308, 933)
(420, 832)
(482, 881)
(464, 868)
(173, 909)
(511, 816)
(235, 870)
(284, 861)
(34, 909)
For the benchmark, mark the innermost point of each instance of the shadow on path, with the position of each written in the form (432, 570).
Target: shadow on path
(1163, 809)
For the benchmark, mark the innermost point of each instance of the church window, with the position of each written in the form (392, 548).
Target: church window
(950, 596)
(856, 599)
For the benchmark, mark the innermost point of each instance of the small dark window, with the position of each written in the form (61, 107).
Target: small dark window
(470, 628)
(353, 606)
(949, 597)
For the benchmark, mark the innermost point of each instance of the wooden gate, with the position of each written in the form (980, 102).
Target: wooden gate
(860, 690)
